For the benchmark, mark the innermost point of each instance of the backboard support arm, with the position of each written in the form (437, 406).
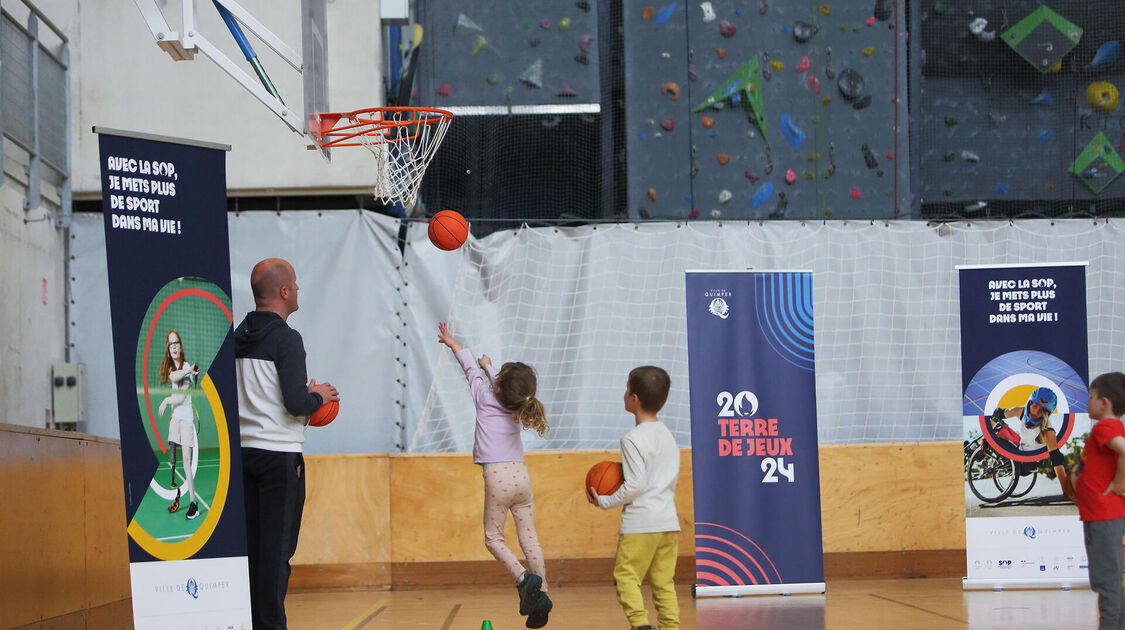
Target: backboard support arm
(183, 46)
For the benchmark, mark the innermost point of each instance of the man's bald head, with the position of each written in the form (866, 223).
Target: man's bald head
(274, 283)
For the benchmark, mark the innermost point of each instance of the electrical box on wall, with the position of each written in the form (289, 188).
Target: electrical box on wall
(68, 385)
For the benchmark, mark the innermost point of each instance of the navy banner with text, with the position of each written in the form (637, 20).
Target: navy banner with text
(168, 256)
(753, 432)
(1024, 369)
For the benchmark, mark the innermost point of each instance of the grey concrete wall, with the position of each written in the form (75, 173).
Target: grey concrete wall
(32, 300)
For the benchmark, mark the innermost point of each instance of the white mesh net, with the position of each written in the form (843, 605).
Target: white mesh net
(585, 305)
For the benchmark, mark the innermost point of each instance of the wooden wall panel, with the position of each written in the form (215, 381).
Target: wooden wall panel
(893, 509)
(347, 517)
(892, 497)
(107, 543)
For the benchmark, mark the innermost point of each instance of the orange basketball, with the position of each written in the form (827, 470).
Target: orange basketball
(324, 415)
(605, 477)
(448, 230)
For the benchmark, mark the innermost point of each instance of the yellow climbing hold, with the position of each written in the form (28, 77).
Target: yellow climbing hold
(825, 9)
(1055, 68)
(1102, 96)
(776, 65)
(867, 52)
(825, 100)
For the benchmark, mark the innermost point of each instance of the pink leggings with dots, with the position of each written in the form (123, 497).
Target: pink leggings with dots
(507, 486)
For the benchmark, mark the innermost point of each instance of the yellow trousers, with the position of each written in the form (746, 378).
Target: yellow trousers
(651, 556)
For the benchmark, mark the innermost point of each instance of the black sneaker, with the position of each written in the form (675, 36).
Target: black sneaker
(175, 504)
(538, 616)
(529, 592)
(192, 511)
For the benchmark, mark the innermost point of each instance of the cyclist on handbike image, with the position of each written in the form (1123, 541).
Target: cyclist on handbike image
(1033, 420)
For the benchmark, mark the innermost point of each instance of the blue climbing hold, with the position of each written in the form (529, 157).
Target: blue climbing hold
(734, 86)
(1044, 98)
(736, 98)
(1002, 188)
(738, 11)
(713, 135)
(665, 13)
(792, 132)
(640, 136)
(1047, 133)
(1107, 54)
(785, 29)
(687, 198)
(763, 195)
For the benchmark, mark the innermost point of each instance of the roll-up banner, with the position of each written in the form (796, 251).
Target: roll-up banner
(168, 255)
(753, 433)
(1024, 368)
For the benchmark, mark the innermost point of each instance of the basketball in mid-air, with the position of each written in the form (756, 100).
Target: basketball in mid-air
(605, 477)
(448, 230)
(324, 415)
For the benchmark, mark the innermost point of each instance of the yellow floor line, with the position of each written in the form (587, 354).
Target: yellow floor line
(365, 615)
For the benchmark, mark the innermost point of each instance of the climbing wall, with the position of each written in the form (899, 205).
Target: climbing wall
(766, 110)
(1019, 111)
(533, 52)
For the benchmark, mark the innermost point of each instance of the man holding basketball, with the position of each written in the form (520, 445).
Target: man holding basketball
(274, 404)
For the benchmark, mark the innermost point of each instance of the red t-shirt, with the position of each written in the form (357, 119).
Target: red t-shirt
(1099, 465)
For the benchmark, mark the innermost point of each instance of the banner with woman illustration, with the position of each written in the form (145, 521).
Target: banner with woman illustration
(755, 458)
(1024, 372)
(164, 203)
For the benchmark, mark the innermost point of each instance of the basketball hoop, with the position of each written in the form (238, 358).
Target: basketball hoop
(402, 139)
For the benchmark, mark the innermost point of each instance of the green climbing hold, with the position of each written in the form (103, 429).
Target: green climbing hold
(949, 157)
(950, 121)
(527, 26)
(940, 8)
(493, 79)
(509, 91)
(564, 24)
(815, 119)
(479, 44)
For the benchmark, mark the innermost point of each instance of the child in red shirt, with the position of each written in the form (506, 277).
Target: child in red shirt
(1099, 483)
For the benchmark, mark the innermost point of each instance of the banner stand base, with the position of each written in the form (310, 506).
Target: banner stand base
(758, 589)
(983, 584)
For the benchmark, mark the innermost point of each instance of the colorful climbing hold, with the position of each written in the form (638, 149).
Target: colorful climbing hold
(762, 196)
(545, 24)
(647, 13)
(867, 52)
(776, 65)
(1107, 54)
(814, 157)
(882, 10)
(814, 83)
(808, 174)
(492, 79)
(825, 9)
(1044, 98)
(723, 159)
(750, 176)
(566, 91)
(708, 11)
(533, 76)
(708, 122)
(950, 156)
(445, 90)
(790, 176)
(584, 43)
(479, 44)
(721, 53)
(652, 196)
(792, 132)
(665, 13)
(854, 193)
(564, 24)
(805, 64)
(862, 103)
(871, 21)
(726, 29)
(1102, 96)
(825, 100)
(672, 89)
(668, 124)
(950, 121)
(1001, 188)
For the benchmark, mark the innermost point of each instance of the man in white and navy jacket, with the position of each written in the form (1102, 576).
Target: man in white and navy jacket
(274, 404)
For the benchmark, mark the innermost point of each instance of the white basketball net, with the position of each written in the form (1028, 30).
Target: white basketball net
(403, 151)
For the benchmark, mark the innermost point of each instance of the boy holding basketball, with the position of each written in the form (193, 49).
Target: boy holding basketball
(1099, 483)
(648, 540)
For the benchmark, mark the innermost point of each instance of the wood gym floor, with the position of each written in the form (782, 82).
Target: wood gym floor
(916, 604)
